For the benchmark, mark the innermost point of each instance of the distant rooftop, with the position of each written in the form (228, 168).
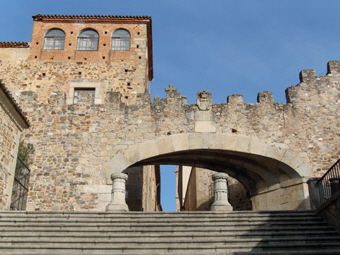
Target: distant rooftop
(14, 45)
(89, 17)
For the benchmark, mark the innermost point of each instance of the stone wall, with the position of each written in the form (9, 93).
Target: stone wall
(76, 143)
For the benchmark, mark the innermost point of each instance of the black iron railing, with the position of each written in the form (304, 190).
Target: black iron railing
(329, 184)
(20, 186)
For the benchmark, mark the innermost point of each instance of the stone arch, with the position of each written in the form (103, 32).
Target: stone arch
(250, 145)
(268, 173)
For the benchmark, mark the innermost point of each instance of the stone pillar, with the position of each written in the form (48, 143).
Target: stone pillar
(118, 203)
(221, 193)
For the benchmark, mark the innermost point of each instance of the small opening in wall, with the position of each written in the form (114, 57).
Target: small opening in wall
(103, 57)
(51, 58)
(85, 59)
(69, 57)
(71, 32)
(37, 43)
(138, 33)
(35, 56)
(104, 44)
(233, 130)
(126, 70)
(137, 46)
(69, 44)
(43, 74)
(79, 73)
(84, 95)
(105, 32)
(129, 84)
(140, 57)
(126, 97)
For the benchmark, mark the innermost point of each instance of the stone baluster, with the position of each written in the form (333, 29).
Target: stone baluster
(221, 202)
(118, 203)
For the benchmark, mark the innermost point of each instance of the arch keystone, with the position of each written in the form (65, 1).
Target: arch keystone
(229, 142)
(257, 147)
(195, 141)
(215, 141)
(243, 144)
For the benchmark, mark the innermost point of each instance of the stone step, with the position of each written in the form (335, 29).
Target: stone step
(144, 239)
(166, 233)
(184, 233)
(168, 225)
(155, 248)
(158, 215)
(289, 220)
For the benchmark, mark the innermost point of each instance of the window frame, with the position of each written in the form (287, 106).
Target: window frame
(121, 42)
(51, 41)
(84, 42)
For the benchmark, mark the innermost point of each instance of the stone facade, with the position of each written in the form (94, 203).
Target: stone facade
(271, 148)
(12, 123)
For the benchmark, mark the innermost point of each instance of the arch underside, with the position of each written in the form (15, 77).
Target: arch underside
(253, 171)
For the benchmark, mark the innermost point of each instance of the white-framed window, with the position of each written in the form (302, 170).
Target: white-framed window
(120, 40)
(84, 95)
(81, 92)
(88, 40)
(54, 39)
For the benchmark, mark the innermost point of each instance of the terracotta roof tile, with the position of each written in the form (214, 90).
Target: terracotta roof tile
(14, 45)
(15, 104)
(105, 17)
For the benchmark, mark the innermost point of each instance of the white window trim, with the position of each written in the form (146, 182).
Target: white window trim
(98, 95)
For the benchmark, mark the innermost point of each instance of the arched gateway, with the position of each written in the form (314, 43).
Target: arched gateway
(275, 178)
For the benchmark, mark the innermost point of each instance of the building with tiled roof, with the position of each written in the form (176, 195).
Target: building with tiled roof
(12, 123)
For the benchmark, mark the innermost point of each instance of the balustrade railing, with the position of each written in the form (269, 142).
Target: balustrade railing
(328, 185)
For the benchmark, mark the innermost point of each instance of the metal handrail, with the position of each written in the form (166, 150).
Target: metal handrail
(329, 183)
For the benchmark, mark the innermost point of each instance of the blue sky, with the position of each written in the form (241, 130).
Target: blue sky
(222, 46)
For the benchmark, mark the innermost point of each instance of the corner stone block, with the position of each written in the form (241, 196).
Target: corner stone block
(165, 145)
(275, 153)
(180, 142)
(119, 163)
(291, 160)
(149, 149)
(304, 171)
(133, 154)
(195, 141)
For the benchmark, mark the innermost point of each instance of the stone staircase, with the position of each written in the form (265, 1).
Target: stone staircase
(267, 232)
